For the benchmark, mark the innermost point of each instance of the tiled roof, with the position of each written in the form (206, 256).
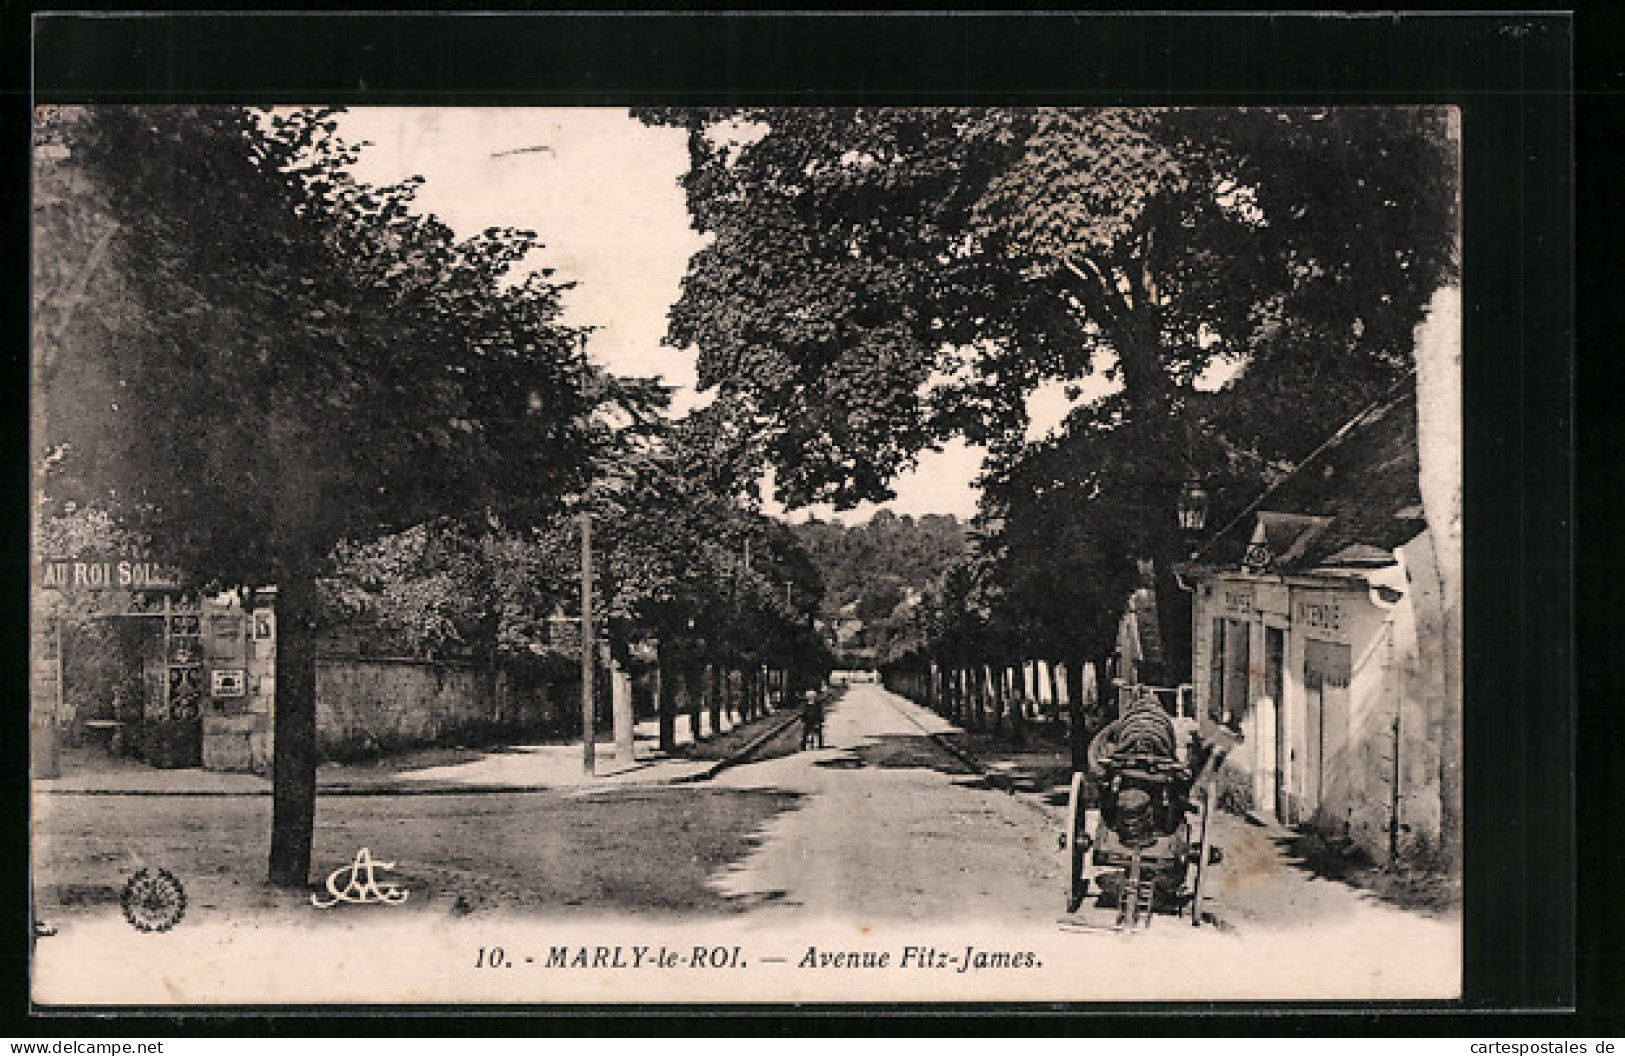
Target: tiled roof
(1349, 505)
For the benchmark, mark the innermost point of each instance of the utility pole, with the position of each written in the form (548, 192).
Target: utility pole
(588, 645)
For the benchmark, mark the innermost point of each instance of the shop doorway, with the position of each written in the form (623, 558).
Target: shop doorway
(132, 687)
(1237, 664)
(1274, 690)
(1327, 667)
(112, 667)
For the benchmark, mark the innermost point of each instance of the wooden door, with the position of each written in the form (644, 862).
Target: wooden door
(1237, 669)
(1274, 688)
(1326, 670)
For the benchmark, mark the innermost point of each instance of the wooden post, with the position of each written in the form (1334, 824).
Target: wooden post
(588, 645)
(621, 713)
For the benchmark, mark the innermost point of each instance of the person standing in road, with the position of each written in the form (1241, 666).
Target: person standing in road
(812, 721)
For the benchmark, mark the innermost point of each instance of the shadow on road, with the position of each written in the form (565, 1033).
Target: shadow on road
(844, 762)
(645, 851)
(1426, 887)
(907, 751)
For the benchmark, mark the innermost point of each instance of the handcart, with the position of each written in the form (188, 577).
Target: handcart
(1146, 848)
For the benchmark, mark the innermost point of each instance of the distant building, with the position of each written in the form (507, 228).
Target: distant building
(1314, 627)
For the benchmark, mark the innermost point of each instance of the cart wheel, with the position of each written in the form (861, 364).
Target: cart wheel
(1076, 839)
(1202, 856)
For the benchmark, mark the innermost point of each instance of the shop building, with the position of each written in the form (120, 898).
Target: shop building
(154, 674)
(1310, 619)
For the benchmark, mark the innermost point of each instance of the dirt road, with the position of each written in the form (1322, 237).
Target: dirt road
(882, 844)
(889, 826)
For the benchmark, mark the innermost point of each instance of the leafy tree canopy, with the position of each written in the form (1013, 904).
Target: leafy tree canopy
(249, 357)
(293, 358)
(882, 278)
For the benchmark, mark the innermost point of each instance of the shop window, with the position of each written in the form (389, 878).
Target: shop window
(1237, 665)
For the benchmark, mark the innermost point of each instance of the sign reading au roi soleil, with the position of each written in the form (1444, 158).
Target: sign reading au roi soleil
(111, 574)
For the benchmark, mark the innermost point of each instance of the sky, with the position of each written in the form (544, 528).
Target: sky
(601, 191)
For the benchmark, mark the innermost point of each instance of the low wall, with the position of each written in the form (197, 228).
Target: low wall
(366, 705)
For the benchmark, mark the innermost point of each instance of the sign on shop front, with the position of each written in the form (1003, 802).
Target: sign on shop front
(1238, 599)
(228, 682)
(112, 574)
(1325, 615)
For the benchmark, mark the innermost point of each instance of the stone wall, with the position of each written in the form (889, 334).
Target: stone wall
(366, 705)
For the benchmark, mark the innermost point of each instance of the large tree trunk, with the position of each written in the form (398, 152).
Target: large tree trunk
(712, 682)
(1138, 342)
(1054, 692)
(693, 700)
(665, 706)
(1077, 716)
(1439, 446)
(293, 791)
(1132, 323)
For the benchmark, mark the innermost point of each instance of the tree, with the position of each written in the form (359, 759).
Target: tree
(670, 571)
(688, 562)
(291, 359)
(439, 590)
(887, 554)
(882, 278)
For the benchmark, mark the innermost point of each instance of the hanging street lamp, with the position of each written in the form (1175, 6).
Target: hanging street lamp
(1193, 506)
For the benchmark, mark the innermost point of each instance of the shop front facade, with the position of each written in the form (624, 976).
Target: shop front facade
(147, 672)
(1317, 640)
(1312, 672)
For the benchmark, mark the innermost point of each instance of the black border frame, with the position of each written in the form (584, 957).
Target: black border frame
(1509, 72)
